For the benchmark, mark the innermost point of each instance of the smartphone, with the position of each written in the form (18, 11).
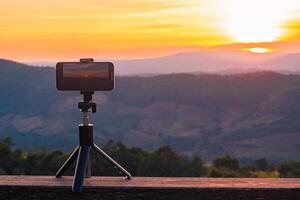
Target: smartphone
(90, 76)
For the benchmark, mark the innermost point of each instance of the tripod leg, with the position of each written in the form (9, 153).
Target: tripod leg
(112, 161)
(88, 170)
(80, 168)
(67, 163)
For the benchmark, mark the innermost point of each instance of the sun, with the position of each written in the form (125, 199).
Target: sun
(258, 50)
(255, 20)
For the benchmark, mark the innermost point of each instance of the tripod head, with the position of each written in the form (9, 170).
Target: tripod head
(87, 103)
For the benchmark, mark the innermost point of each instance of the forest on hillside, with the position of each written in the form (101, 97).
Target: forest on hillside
(248, 116)
(163, 162)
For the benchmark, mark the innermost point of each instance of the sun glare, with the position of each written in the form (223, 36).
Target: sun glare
(258, 50)
(255, 20)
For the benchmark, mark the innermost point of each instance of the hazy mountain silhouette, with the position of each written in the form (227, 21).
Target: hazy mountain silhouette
(249, 115)
(206, 62)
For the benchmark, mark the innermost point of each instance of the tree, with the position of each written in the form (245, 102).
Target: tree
(164, 162)
(290, 169)
(262, 164)
(227, 162)
(195, 168)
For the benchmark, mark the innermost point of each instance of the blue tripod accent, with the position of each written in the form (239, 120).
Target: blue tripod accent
(80, 169)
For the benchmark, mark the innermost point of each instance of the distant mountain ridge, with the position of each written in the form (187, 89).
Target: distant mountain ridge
(205, 62)
(250, 115)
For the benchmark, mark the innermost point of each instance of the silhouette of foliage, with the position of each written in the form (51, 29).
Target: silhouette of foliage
(163, 162)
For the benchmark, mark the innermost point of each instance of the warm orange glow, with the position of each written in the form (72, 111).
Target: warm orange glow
(54, 29)
(258, 50)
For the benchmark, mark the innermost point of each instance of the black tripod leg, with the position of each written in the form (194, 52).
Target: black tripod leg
(67, 163)
(81, 165)
(112, 161)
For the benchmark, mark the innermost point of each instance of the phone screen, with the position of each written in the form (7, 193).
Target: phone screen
(86, 70)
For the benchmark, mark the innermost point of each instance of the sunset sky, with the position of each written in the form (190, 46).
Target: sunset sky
(47, 30)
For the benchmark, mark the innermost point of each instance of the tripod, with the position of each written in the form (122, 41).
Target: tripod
(86, 143)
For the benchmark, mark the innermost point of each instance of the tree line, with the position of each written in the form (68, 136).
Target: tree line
(163, 162)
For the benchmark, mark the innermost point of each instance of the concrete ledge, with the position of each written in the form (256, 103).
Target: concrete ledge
(46, 187)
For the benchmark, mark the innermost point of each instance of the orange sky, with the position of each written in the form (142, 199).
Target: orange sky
(47, 30)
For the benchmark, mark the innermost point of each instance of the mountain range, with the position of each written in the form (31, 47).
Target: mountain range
(205, 62)
(248, 115)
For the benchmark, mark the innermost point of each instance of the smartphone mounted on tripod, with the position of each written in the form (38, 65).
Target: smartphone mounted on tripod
(85, 76)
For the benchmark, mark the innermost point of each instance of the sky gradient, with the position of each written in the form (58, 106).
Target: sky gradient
(36, 30)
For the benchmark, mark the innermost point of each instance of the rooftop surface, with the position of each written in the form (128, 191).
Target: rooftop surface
(49, 187)
(153, 182)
